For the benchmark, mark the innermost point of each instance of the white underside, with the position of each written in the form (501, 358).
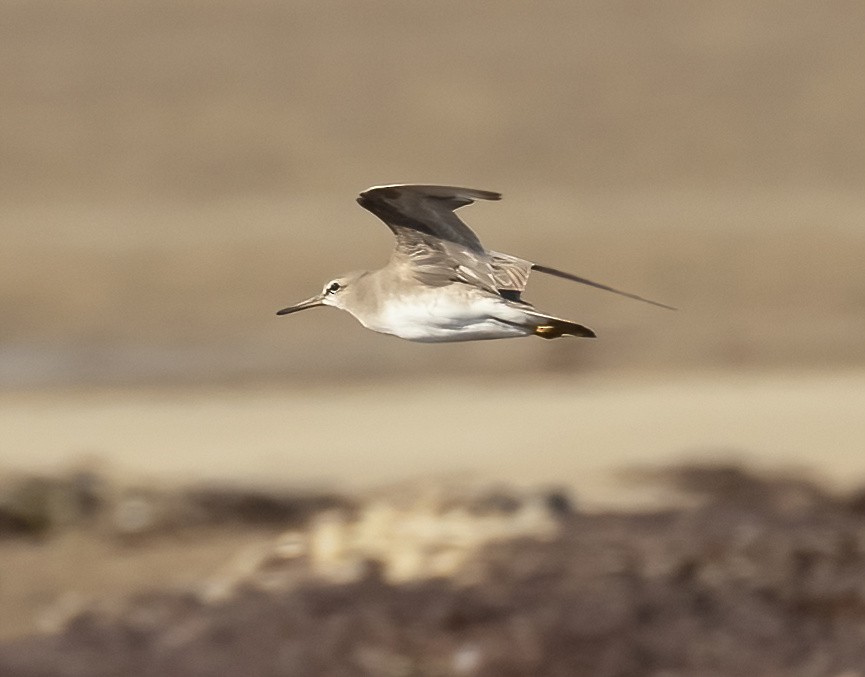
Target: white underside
(439, 317)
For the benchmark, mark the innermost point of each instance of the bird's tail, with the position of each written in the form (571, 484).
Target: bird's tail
(549, 327)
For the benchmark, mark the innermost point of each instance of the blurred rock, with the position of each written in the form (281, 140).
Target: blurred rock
(736, 587)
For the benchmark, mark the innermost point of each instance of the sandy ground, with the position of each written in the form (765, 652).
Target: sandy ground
(45, 579)
(578, 433)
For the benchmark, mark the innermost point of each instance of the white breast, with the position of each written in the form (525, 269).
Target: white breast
(439, 315)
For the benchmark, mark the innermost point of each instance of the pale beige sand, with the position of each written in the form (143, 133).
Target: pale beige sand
(578, 433)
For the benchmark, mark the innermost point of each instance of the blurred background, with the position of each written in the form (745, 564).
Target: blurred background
(174, 173)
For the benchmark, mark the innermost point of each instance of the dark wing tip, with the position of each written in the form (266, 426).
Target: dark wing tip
(393, 191)
(482, 194)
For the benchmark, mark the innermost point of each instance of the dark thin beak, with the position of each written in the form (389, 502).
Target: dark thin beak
(303, 305)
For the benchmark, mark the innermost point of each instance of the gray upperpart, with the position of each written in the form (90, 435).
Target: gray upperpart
(435, 250)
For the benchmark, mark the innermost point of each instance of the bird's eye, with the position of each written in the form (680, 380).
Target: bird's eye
(333, 287)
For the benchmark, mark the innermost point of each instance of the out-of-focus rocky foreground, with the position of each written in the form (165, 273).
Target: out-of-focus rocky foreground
(755, 576)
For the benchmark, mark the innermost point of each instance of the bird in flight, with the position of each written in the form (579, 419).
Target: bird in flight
(441, 284)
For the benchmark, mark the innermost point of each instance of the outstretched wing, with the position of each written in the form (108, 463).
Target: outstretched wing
(440, 249)
(597, 285)
(428, 210)
(512, 274)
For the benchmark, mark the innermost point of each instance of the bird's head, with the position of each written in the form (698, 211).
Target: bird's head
(334, 293)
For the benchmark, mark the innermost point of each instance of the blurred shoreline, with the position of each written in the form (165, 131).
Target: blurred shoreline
(578, 432)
